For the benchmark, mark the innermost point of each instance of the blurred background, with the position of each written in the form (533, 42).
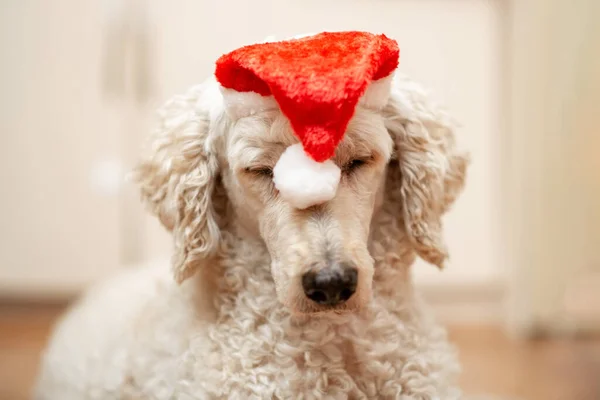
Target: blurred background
(80, 81)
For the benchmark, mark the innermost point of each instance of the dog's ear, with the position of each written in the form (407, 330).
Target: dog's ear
(179, 175)
(431, 169)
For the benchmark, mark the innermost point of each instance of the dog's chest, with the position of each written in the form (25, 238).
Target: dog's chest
(275, 356)
(378, 354)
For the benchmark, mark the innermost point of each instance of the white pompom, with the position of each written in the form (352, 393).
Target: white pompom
(302, 181)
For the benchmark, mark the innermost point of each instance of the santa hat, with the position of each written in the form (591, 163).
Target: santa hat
(317, 82)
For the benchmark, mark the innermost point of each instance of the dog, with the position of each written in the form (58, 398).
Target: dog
(264, 301)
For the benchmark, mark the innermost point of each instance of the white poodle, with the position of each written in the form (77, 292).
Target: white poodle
(255, 311)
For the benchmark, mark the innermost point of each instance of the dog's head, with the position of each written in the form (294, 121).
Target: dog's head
(208, 172)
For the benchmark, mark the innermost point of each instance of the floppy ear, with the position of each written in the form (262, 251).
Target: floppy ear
(431, 169)
(179, 175)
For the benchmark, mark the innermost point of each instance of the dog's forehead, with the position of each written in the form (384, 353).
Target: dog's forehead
(254, 135)
(268, 134)
(366, 134)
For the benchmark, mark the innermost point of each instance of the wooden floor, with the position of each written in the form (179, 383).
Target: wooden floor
(493, 365)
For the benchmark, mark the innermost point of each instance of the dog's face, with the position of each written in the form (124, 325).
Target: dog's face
(320, 257)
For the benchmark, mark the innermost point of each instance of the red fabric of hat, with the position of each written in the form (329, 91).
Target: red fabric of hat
(317, 81)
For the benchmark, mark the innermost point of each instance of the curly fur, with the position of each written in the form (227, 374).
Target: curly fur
(223, 333)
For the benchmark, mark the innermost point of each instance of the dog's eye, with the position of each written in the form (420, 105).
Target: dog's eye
(260, 171)
(354, 165)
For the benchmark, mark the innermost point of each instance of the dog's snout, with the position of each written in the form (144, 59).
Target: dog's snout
(330, 286)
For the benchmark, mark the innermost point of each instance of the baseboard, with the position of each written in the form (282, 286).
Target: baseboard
(454, 299)
(466, 302)
(39, 294)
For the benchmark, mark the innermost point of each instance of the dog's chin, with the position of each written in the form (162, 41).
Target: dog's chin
(300, 305)
(318, 310)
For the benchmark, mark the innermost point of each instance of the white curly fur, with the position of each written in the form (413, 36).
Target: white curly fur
(224, 333)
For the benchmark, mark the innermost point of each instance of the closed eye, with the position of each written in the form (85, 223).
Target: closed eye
(260, 171)
(354, 165)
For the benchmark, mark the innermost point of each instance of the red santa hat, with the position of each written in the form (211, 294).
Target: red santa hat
(316, 81)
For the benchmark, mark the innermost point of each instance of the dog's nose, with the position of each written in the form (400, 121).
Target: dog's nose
(330, 286)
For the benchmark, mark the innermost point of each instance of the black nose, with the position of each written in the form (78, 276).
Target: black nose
(330, 286)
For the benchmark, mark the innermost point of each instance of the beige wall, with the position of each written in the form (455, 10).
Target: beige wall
(58, 230)
(552, 174)
(55, 65)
